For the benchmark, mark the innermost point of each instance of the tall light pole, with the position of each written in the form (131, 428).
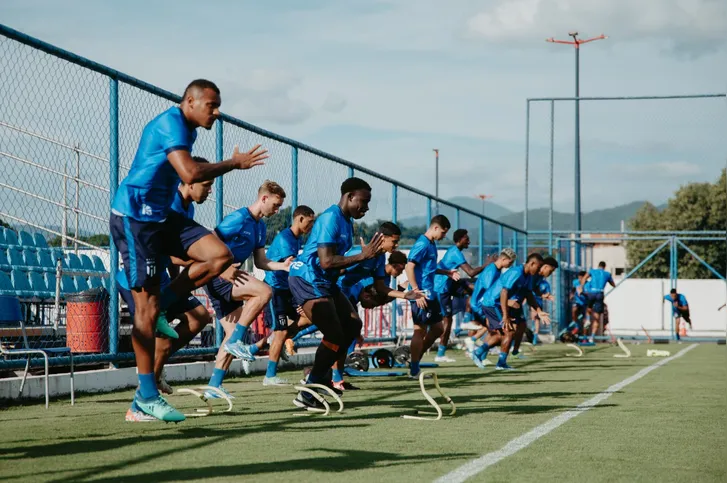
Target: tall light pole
(483, 198)
(436, 176)
(576, 43)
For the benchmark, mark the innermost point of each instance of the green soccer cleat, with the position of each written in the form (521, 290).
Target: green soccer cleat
(164, 328)
(160, 409)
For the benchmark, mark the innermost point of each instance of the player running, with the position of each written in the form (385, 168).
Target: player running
(597, 279)
(420, 270)
(540, 288)
(147, 232)
(446, 288)
(679, 308)
(314, 275)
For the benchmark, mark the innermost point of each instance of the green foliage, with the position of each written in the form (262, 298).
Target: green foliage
(97, 240)
(694, 207)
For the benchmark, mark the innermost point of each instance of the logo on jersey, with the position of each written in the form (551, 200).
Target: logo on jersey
(146, 210)
(151, 267)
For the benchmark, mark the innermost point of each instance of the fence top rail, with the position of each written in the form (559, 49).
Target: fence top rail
(640, 238)
(627, 98)
(152, 89)
(628, 232)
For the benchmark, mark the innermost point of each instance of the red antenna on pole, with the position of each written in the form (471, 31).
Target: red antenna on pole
(483, 197)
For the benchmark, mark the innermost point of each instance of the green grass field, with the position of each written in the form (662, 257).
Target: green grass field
(670, 425)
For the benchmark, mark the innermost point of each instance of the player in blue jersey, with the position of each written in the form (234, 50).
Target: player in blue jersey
(314, 276)
(281, 309)
(597, 279)
(146, 232)
(420, 270)
(579, 303)
(244, 233)
(445, 288)
(487, 279)
(680, 309)
(502, 312)
(540, 288)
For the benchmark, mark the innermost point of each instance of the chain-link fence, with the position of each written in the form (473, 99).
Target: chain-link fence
(69, 129)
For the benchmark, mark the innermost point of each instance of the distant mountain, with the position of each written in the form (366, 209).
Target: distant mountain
(608, 219)
(492, 210)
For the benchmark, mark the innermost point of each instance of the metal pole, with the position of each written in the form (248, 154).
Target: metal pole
(559, 292)
(220, 187)
(78, 187)
(500, 238)
(294, 181)
(481, 251)
(429, 212)
(552, 165)
(527, 166)
(113, 184)
(393, 282)
(64, 230)
(351, 172)
(578, 152)
(436, 177)
(456, 219)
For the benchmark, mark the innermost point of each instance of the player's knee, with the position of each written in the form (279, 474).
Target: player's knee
(220, 259)
(146, 315)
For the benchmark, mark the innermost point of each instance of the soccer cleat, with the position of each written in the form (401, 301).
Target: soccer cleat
(504, 367)
(477, 361)
(163, 386)
(485, 362)
(470, 344)
(239, 350)
(275, 381)
(213, 395)
(415, 377)
(290, 347)
(136, 416)
(307, 401)
(328, 384)
(163, 327)
(159, 408)
(444, 359)
(284, 356)
(519, 355)
(350, 387)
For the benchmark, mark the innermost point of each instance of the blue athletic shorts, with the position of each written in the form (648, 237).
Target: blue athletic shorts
(428, 316)
(445, 303)
(219, 291)
(145, 247)
(279, 310)
(580, 310)
(494, 317)
(303, 291)
(595, 301)
(177, 308)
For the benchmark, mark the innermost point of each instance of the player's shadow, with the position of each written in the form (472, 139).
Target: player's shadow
(339, 460)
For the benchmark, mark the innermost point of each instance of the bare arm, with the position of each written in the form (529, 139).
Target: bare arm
(382, 289)
(471, 271)
(264, 263)
(191, 171)
(409, 269)
(329, 260)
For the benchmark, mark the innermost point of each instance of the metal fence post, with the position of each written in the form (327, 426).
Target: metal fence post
(113, 184)
(350, 172)
(219, 207)
(514, 242)
(481, 251)
(429, 213)
(500, 237)
(394, 215)
(559, 294)
(456, 219)
(294, 181)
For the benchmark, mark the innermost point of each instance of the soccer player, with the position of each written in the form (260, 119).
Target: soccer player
(679, 308)
(280, 310)
(487, 279)
(446, 289)
(579, 302)
(147, 232)
(598, 278)
(244, 233)
(314, 275)
(540, 288)
(502, 313)
(420, 270)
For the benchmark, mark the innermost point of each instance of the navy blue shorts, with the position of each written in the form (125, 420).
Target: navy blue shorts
(145, 247)
(428, 316)
(219, 291)
(445, 303)
(580, 310)
(303, 291)
(595, 301)
(517, 315)
(173, 311)
(494, 317)
(280, 309)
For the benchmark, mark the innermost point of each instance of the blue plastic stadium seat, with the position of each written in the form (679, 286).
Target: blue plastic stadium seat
(67, 284)
(96, 282)
(87, 264)
(15, 255)
(98, 264)
(59, 254)
(2, 235)
(21, 284)
(74, 263)
(45, 258)
(39, 285)
(11, 238)
(107, 283)
(6, 285)
(81, 283)
(31, 258)
(4, 262)
(40, 241)
(26, 239)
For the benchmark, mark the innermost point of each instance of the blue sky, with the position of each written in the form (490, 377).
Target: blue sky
(382, 82)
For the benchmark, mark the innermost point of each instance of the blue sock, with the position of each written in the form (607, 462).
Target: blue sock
(337, 375)
(473, 338)
(217, 376)
(237, 334)
(254, 349)
(441, 350)
(481, 351)
(308, 330)
(352, 347)
(148, 386)
(167, 298)
(414, 368)
(535, 338)
(502, 361)
(272, 370)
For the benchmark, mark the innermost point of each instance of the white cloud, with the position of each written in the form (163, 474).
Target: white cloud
(686, 26)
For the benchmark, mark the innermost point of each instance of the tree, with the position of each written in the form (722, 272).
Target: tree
(97, 240)
(694, 207)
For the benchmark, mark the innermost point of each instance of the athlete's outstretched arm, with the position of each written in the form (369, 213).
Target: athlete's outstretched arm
(328, 259)
(264, 263)
(382, 289)
(191, 171)
(471, 271)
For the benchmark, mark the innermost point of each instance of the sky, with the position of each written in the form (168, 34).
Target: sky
(383, 82)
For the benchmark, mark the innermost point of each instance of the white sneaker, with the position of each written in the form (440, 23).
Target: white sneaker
(470, 326)
(485, 362)
(444, 359)
(470, 344)
(275, 381)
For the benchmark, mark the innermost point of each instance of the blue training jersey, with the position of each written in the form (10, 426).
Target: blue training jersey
(599, 279)
(486, 279)
(579, 299)
(681, 300)
(242, 234)
(541, 288)
(514, 280)
(331, 229)
(147, 192)
(284, 245)
(178, 206)
(354, 291)
(373, 267)
(424, 255)
(453, 258)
